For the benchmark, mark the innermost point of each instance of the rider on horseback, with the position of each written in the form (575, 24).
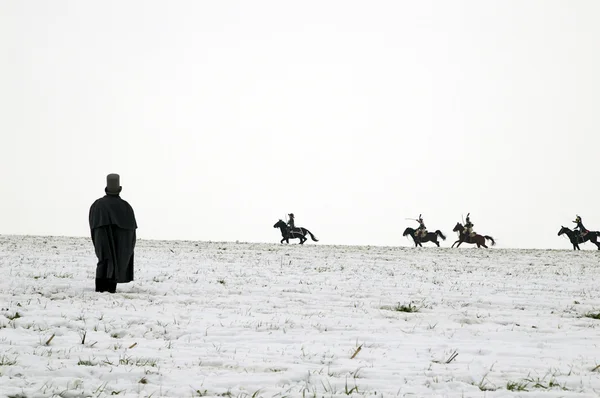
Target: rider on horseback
(422, 230)
(580, 229)
(291, 223)
(468, 227)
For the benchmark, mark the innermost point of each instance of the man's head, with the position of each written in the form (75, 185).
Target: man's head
(113, 185)
(291, 215)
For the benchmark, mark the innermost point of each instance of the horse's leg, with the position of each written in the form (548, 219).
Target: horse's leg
(437, 243)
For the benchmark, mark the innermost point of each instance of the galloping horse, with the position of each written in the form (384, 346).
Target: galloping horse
(576, 238)
(297, 232)
(430, 237)
(479, 240)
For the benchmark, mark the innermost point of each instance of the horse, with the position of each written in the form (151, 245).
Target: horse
(430, 237)
(576, 238)
(477, 239)
(297, 232)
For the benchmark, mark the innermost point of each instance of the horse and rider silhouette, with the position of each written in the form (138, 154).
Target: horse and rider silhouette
(580, 234)
(577, 237)
(429, 237)
(293, 233)
(476, 239)
(421, 235)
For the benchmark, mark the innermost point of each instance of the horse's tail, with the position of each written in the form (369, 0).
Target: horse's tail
(440, 234)
(492, 239)
(311, 235)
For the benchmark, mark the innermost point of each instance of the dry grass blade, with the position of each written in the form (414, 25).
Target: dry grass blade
(596, 368)
(50, 339)
(452, 357)
(356, 352)
(133, 345)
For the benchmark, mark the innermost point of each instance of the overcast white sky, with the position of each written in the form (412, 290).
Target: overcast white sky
(222, 117)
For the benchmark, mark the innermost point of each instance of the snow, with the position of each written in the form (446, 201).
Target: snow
(270, 320)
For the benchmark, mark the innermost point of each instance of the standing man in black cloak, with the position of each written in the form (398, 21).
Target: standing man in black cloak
(113, 225)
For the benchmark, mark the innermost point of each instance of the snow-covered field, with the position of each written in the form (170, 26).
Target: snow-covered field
(267, 320)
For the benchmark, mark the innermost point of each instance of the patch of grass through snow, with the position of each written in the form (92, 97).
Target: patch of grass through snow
(125, 360)
(410, 307)
(84, 362)
(13, 317)
(530, 383)
(6, 361)
(517, 385)
(592, 315)
(64, 275)
(484, 385)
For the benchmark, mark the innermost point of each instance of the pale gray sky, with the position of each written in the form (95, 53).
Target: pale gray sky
(223, 116)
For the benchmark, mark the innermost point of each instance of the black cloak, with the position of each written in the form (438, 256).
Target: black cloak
(113, 225)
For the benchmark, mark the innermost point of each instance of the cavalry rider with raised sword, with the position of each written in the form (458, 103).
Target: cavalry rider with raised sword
(422, 230)
(468, 228)
(580, 229)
